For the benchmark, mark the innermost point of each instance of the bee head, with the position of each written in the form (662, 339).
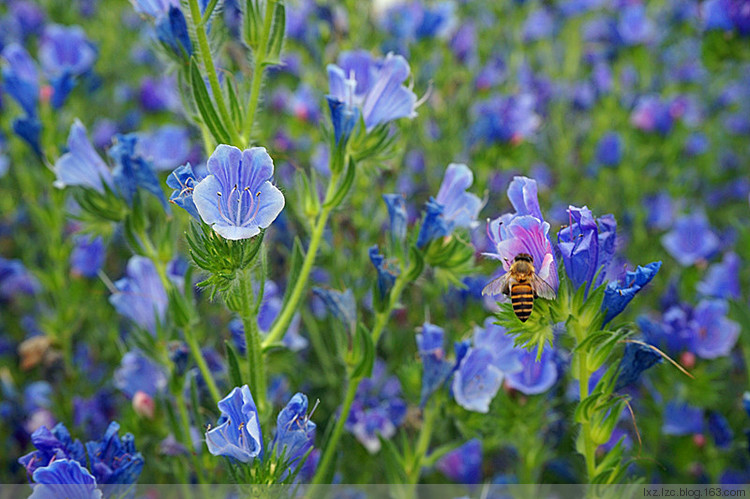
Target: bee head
(524, 257)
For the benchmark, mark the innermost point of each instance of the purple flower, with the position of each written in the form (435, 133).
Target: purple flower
(682, 419)
(636, 359)
(172, 32)
(464, 44)
(114, 459)
(609, 149)
(675, 332)
(464, 464)
(374, 86)
(21, 78)
(237, 434)
(435, 368)
(304, 104)
(538, 26)
(617, 295)
(295, 433)
(140, 295)
(165, 148)
(652, 114)
(183, 180)
(691, 239)
(15, 279)
(82, 165)
(535, 376)
(139, 373)
(64, 478)
(524, 234)
(716, 15)
(159, 94)
(378, 409)
(65, 50)
(722, 280)
(453, 207)
(237, 198)
(51, 446)
(660, 211)
(504, 119)
(587, 246)
(87, 256)
(716, 335)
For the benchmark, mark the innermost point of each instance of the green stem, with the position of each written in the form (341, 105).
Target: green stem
(187, 440)
(260, 60)
(326, 460)
(423, 442)
(254, 352)
(208, 61)
(589, 447)
(207, 13)
(201, 361)
(279, 327)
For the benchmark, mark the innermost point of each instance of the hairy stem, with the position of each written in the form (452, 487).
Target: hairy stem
(201, 361)
(256, 367)
(260, 60)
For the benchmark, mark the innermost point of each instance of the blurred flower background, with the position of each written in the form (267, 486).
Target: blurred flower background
(344, 157)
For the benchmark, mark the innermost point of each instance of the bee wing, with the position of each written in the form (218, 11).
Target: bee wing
(498, 286)
(543, 289)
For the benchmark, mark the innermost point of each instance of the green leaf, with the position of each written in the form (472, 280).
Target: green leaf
(276, 38)
(235, 375)
(195, 400)
(344, 185)
(206, 107)
(251, 25)
(416, 264)
(365, 348)
(235, 107)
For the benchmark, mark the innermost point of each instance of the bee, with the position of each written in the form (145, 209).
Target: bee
(522, 284)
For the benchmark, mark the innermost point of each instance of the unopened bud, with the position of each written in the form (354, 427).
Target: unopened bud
(143, 404)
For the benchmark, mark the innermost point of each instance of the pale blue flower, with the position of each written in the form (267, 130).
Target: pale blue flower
(238, 432)
(237, 198)
(82, 165)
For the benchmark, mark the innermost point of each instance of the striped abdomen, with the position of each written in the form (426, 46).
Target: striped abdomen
(522, 299)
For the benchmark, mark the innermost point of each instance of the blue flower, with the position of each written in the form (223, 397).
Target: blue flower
(682, 419)
(237, 198)
(617, 295)
(387, 272)
(238, 432)
(64, 478)
(51, 446)
(716, 15)
(720, 430)
(675, 332)
(140, 295)
(171, 30)
(82, 165)
(609, 149)
(378, 409)
(139, 373)
(435, 369)
(452, 208)
(691, 239)
(536, 376)
(634, 26)
(722, 279)
(114, 459)
(504, 119)
(154, 8)
(396, 204)
(652, 114)
(660, 210)
(183, 180)
(715, 334)
(87, 256)
(344, 118)
(29, 129)
(64, 53)
(587, 247)
(21, 78)
(132, 170)
(165, 148)
(464, 464)
(374, 86)
(341, 304)
(538, 26)
(295, 433)
(476, 381)
(636, 359)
